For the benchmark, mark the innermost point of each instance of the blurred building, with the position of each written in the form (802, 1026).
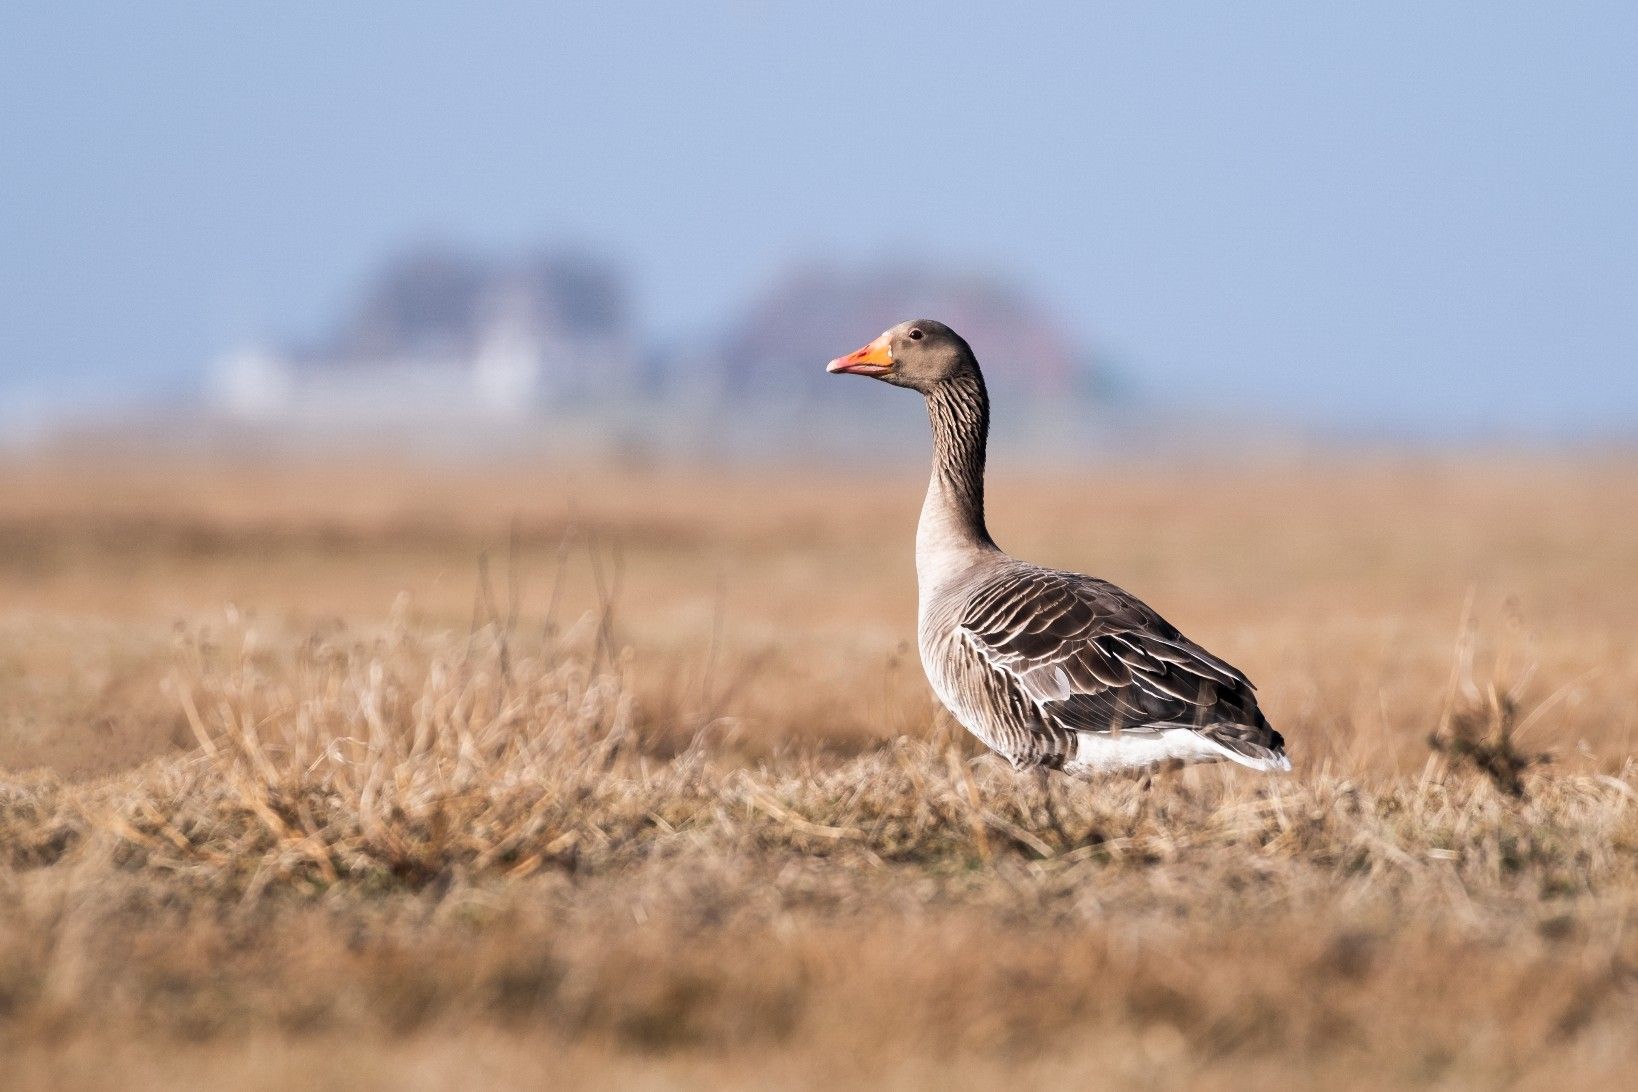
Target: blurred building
(763, 375)
(777, 348)
(448, 348)
(444, 339)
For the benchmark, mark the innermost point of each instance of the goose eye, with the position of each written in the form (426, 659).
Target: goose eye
(915, 335)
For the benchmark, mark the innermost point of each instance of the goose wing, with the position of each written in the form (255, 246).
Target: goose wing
(1089, 657)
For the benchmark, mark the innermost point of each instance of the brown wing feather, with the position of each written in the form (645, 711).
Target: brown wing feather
(1090, 657)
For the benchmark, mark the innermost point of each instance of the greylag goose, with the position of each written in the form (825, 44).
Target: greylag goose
(1051, 670)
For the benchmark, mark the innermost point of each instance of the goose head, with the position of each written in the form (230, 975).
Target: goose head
(920, 354)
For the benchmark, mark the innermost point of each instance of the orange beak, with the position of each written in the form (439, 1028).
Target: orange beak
(873, 359)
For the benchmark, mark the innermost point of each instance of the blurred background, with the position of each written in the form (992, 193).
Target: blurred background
(452, 625)
(433, 228)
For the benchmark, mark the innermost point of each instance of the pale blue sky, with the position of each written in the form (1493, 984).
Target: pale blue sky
(1408, 216)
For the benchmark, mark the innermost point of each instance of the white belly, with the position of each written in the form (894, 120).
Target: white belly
(1099, 752)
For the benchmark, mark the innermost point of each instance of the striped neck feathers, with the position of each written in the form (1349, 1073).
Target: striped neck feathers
(953, 515)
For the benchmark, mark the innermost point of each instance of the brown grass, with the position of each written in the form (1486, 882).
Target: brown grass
(653, 793)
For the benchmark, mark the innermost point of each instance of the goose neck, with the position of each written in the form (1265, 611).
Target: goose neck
(952, 518)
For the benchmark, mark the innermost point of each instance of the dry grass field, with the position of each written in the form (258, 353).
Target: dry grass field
(514, 775)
